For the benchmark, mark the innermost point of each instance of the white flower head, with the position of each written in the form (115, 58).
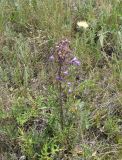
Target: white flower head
(82, 24)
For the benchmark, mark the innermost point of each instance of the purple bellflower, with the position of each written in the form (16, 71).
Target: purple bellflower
(63, 57)
(51, 58)
(65, 73)
(75, 61)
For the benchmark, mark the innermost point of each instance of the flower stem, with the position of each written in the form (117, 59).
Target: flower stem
(60, 100)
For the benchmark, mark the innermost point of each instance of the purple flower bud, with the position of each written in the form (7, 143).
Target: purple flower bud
(66, 40)
(69, 84)
(51, 58)
(77, 63)
(60, 59)
(59, 78)
(63, 41)
(74, 59)
(65, 73)
(69, 91)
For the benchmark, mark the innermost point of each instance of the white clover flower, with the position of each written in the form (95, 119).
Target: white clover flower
(82, 24)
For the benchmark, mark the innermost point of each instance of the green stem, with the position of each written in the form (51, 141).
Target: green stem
(60, 100)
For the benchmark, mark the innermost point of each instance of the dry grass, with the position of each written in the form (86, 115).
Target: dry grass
(28, 93)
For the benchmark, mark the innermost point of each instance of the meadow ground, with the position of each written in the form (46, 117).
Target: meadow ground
(47, 113)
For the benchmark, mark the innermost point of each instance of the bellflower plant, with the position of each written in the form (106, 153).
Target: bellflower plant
(64, 59)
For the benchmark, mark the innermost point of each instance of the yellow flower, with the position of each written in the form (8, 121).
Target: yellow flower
(83, 24)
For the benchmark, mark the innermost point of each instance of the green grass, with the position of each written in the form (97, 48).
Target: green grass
(29, 109)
